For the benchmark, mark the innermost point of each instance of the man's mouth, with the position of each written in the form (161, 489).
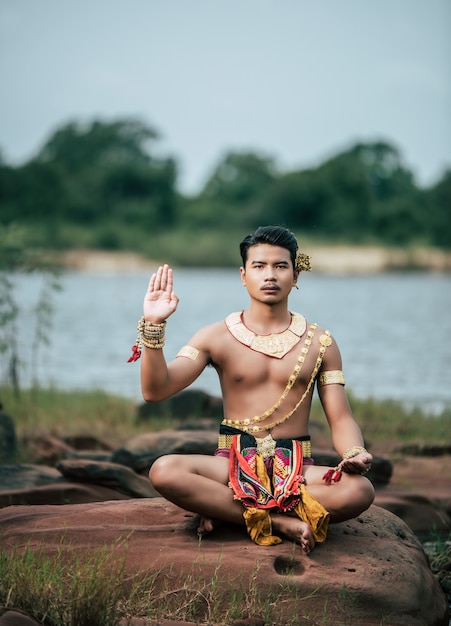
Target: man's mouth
(270, 288)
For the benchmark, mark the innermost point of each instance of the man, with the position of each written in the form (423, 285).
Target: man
(268, 360)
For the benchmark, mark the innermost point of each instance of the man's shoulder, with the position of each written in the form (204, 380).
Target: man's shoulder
(212, 329)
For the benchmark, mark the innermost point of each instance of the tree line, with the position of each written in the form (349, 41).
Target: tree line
(104, 185)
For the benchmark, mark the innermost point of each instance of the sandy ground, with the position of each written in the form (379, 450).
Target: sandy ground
(330, 259)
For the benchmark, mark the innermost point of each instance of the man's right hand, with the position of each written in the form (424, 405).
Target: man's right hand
(160, 301)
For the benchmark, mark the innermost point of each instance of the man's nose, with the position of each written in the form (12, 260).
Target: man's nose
(270, 273)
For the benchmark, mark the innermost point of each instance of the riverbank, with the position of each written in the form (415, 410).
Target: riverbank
(337, 259)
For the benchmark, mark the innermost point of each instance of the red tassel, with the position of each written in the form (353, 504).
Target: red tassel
(328, 476)
(332, 475)
(136, 353)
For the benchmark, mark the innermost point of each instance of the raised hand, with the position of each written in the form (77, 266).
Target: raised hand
(160, 301)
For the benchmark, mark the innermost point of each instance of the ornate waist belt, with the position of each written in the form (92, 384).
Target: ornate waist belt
(265, 445)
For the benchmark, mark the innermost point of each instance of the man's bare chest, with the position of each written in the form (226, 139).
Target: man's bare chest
(241, 366)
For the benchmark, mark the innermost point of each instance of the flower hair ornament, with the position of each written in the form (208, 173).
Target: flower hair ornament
(302, 262)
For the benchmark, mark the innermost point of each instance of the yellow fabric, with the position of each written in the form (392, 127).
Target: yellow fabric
(258, 521)
(309, 510)
(259, 526)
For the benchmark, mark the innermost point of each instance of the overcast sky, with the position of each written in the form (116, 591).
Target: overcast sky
(298, 80)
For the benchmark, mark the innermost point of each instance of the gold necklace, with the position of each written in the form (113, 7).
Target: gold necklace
(275, 344)
(247, 425)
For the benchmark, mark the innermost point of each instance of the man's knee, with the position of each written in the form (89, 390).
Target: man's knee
(163, 471)
(363, 494)
(356, 496)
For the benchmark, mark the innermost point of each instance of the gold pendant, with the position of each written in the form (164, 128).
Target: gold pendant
(275, 344)
(266, 446)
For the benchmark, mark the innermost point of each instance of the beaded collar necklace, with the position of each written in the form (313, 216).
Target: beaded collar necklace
(275, 344)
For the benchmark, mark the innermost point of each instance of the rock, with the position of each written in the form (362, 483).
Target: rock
(60, 493)
(8, 441)
(423, 515)
(15, 617)
(73, 481)
(26, 475)
(91, 455)
(141, 451)
(370, 570)
(87, 442)
(47, 449)
(190, 403)
(111, 475)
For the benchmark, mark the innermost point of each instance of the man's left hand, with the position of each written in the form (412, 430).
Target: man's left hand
(359, 464)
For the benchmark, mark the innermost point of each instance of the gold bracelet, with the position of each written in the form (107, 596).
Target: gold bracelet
(151, 335)
(352, 452)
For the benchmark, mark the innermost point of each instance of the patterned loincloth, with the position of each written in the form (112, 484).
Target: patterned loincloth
(282, 489)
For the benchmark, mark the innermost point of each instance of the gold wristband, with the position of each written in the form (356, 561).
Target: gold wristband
(352, 452)
(151, 335)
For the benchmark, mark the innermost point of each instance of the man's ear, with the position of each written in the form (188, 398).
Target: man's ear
(295, 278)
(243, 276)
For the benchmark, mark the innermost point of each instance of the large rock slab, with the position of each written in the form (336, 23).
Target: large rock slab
(371, 570)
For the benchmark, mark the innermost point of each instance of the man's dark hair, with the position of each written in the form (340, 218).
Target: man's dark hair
(272, 235)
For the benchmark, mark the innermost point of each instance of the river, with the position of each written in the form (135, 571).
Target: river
(393, 329)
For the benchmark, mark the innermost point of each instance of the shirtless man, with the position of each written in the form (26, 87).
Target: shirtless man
(268, 360)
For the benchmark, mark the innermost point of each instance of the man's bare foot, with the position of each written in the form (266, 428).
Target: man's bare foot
(294, 529)
(205, 526)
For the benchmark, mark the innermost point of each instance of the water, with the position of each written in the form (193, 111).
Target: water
(393, 330)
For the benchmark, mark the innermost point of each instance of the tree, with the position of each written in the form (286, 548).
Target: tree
(104, 164)
(437, 211)
(240, 177)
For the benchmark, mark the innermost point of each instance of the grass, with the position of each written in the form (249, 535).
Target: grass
(58, 591)
(389, 422)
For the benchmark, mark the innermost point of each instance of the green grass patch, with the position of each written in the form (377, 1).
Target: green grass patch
(391, 422)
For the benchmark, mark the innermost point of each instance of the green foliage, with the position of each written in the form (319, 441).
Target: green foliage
(99, 184)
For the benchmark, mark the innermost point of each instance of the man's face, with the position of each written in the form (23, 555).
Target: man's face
(268, 274)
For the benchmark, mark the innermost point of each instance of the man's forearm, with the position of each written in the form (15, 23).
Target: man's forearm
(154, 375)
(345, 436)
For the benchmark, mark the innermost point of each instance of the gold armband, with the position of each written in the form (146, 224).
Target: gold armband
(330, 377)
(189, 352)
